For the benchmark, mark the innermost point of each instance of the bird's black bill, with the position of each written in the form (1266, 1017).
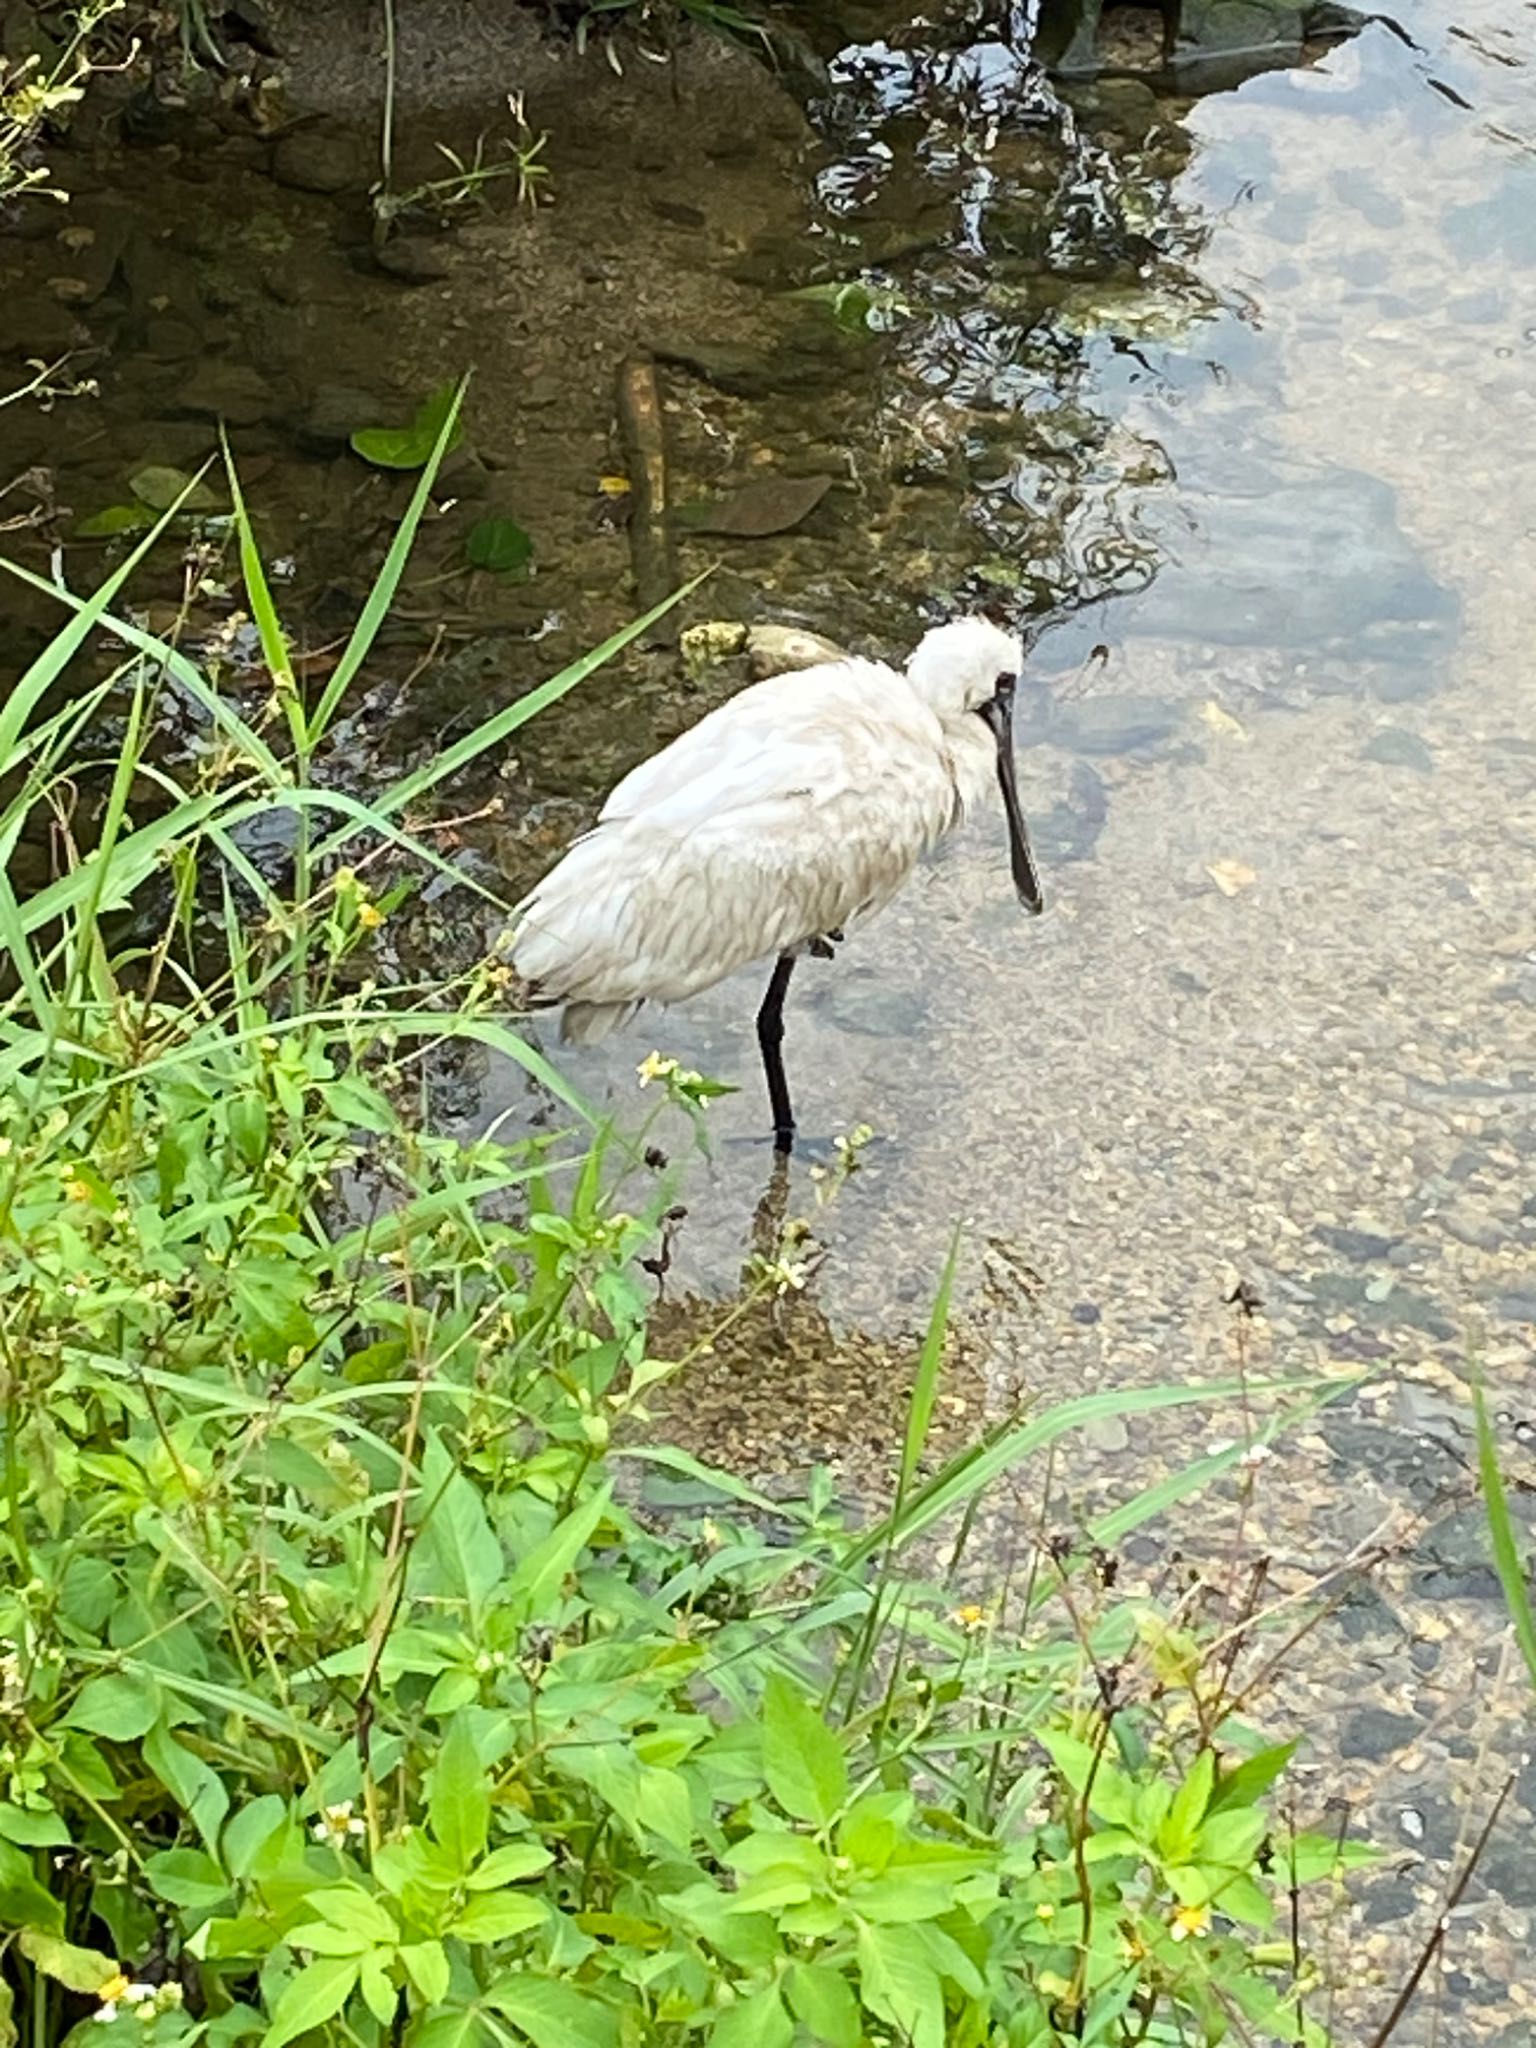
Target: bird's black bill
(998, 713)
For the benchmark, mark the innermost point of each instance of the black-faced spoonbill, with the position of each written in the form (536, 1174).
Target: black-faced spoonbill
(770, 826)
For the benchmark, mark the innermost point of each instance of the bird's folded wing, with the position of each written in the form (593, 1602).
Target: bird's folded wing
(817, 731)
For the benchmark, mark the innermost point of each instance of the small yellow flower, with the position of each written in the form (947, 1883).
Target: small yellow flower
(369, 916)
(1190, 1920)
(970, 1618)
(78, 1190)
(114, 1988)
(1045, 1910)
(654, 1067)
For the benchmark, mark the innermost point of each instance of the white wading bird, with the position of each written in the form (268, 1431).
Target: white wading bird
(801, 804)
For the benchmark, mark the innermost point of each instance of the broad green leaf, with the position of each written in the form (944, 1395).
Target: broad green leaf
(663, 1804)
(77, 1969)
(410, 447)
(901, 1896)
(1253, 1776)
(822, 1999)
(513, 1860)
(351, 1910)
(188, 1878)
(197, 1788)
(116, 1706)
(459, 1798)
(426, 1964)
(315, 1995)
(536, 1589)
(379, 1994)
(873, 1825)
(33, 1830)
(901, 1986)
(554, 2014)
(1243, 1899)
(1076, 1760)
(1231, 1838)
(1176, 1836)
(23, 1902)
(803, 1759)
(321, 1939)
(499, 545)
(495, 1916)
(756, 2022)
(455, 2026)
(456, 1536)
(777, 1849)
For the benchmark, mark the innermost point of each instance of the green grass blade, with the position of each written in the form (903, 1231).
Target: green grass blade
(386, 583)
(930, 1364)
(1501, 1532)
(13, 936)
(1193, 1478)
(487, 1032)
(970, 1473)
(274, 648)
(99, 868)
(134, 860)
(723, 1483)
(90, 613)
(176, 665)
(507, 721)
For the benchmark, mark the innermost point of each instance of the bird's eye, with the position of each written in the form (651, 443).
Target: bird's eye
(1005, 685)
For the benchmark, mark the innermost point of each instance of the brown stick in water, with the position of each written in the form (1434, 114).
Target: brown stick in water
(651, 547)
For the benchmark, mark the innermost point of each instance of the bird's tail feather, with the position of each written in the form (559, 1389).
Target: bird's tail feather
(586, 1023)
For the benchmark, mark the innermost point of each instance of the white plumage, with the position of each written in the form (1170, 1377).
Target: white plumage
(794, 809)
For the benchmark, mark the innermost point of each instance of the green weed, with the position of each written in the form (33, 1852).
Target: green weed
(349, 1691)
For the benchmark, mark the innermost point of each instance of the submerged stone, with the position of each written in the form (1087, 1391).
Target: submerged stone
(1199, 44)
(229, 391)
(1319, 562)
(1395, 748)
(319, 160)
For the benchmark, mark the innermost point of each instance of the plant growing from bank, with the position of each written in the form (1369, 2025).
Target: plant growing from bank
(350, 1689)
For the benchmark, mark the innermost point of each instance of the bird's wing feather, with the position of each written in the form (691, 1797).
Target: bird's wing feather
(792, 810)
(780, 734)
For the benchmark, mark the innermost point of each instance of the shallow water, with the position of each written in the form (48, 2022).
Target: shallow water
(1280, 1023)
(1236, 400)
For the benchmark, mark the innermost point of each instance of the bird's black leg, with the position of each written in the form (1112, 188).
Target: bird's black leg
(770, 1037)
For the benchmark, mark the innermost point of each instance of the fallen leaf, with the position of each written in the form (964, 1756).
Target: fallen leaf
(775, 505)
(500, 545)
(159, 486)
(410, 447)
(613, 486)
(1231, 876)
(1222, 721)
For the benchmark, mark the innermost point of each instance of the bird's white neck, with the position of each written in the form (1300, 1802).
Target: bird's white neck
(973, 755)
